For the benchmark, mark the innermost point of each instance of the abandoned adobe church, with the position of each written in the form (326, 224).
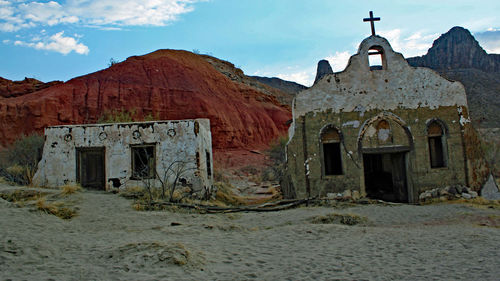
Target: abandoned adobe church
(387, 131)
(120, 155)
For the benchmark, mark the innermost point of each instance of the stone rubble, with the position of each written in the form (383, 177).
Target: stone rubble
(448, 192)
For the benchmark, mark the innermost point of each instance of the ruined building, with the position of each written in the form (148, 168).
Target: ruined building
(383, 129)
(106, 156)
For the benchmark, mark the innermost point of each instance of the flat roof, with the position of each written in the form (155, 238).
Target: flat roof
(127, 123)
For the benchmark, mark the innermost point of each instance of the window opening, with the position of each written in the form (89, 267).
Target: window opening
(143, 161)
(376, 58)
(436, 145)
(209, 164)
(332, 158)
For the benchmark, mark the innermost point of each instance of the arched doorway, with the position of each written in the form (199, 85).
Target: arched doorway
(384, 145)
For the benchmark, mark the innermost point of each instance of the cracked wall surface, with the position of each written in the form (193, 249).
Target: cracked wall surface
(182, 140)
(377, 110)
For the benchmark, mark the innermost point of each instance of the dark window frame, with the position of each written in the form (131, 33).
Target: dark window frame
(209, 164)
(135, 155)
(331, 153)
(437, 144)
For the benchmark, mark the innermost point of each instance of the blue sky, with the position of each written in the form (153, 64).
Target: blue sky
(59, 40)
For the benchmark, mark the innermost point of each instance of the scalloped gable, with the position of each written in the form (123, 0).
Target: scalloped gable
(397, 85)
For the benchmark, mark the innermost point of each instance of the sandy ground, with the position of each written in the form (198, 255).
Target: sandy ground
(109, 240)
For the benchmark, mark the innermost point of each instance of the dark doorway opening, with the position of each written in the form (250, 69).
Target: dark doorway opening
(385, 176)
(90, 170)
(332, 159)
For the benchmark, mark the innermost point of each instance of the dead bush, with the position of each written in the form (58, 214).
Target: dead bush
(277, 156)
(57, 209)
(226, 196)
(18, 161)
(21, 196)
(70, 189)
(347, 219)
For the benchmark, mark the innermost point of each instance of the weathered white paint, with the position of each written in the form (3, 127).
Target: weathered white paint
(353, 123)
(360, 89)
(184, 140)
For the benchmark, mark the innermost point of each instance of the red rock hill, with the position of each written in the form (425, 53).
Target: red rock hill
(169, 84)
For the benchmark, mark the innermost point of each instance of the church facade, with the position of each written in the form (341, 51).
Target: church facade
(383, 129)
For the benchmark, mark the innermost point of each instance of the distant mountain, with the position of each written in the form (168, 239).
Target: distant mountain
(457, 49)
(289, 87)
(457, 56)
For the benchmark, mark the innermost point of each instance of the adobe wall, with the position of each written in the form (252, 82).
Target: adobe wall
(351, 124)
(407, 97)
(184, 140)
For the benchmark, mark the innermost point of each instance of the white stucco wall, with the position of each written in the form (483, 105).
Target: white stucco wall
(358, 89)
(182, 140)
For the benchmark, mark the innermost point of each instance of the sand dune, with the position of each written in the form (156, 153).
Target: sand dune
(108, 240)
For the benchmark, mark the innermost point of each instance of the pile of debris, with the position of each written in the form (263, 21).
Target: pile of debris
(448, 192)
(346, 195)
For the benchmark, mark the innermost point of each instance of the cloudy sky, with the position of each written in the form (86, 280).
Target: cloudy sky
(59, 40)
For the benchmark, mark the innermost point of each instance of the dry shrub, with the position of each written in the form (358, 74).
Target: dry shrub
(220, 177)
(18, 161)
(277, 156)
(55, 208)
(133, 192)
(21, 196)
(226, 196)
(70, 189)
(347, 219)
(250, 170)
(478, 202)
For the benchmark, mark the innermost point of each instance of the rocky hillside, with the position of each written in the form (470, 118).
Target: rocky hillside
(323, 69)
(457, 56)
(168, 84)
(289, 87)
(10, 88)
(284, 94)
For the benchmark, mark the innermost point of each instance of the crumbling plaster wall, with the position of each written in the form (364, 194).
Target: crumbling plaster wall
(183, 140)
(349, 100)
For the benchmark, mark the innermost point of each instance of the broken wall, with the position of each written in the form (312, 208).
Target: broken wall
(355, 101)
(184, 140)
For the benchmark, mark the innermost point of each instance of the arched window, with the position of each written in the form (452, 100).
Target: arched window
(437, 145)
(376, 58)
(384, 133)
(332, 158)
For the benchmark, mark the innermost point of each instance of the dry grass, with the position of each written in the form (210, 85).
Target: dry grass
(133, 192)
(478, 202)
(347, 219)
(70, 189)
(55, 208)
(21, 196)
(226, 196)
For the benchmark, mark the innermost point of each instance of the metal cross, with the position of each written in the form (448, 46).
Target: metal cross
(371, 19)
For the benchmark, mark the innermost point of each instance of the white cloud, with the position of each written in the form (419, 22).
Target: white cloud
(302, 77)
(16, 15)
(6, 41)
(339, 60)
(416, 44)
(57, 43)
(297, 74)
(489, 40)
